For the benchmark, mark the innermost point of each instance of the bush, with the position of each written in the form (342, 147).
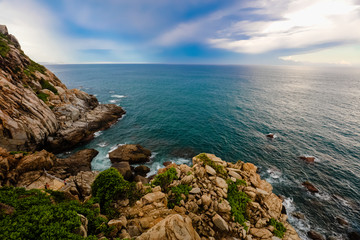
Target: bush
(46, 85)
(279, 228)
(42, 96)
(177, 192)
(110, 185)
(207, 161)
(238, 201)
(165, 179)
(4, 47)
(45, 215)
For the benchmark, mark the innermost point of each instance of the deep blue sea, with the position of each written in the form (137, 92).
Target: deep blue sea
(178, 111)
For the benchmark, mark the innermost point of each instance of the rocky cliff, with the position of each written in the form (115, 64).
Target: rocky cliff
(36, 108)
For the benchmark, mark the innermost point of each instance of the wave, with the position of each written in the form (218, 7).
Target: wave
(103, 144)
(118, 96)
(97, 134)
(156, 165)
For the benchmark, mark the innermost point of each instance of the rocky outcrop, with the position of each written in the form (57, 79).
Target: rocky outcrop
(36, 108)
(132, 153)
(35, 170)
(174, 227)
(207, 205)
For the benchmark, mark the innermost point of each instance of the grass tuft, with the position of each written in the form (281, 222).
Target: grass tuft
(238, 201)
(176, 194)
(165, 179)
(207, 161)
(279, 228)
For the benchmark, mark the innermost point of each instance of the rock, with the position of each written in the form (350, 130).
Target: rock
(3, 30)
(310, 187)
(152, 197)
(220, 223)
(354, 236)
(174, 227)
(235, 175)
(206, 200)
(261, 223)
(221, 183)
(124, 169)
(273, 205)
(249, 167)
(79, 161)
(167, 163)
(124, 234)
(4, 208)
(315, 235)
(142, 170)
(82, 230)
(309, 159)
(260, 233)
(195, 190)
(131, 153)
(210, 170)
(342, 221)
(34, 162)
(118, 223)
(224, 207)
(141, 179)
(187, 179)
(270, 135)
(298, 215)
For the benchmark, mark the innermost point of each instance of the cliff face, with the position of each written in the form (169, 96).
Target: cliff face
(38, 111)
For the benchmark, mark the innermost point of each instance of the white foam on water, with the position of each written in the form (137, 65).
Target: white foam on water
(275, 175)
(111, 92)
(103, 144)
(155, 166)
(302, 226)
(323, 196)
(118, 96)
(96, 134)
(114, 101)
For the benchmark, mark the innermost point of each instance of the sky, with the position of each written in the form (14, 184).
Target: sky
(260, 32)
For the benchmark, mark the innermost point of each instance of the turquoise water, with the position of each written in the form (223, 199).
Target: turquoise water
(178, 111)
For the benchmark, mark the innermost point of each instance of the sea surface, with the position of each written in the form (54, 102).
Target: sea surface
(178, 111)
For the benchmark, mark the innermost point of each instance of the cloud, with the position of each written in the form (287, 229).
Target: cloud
(348, 55)
(300, 24)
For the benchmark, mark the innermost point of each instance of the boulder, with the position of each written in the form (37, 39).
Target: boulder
(142, 170)
(221, 183)
(220, 223)
(79, 161)
(34, 162)
(312, 234)
(261, 233)
(118, 223)
(310, 187)
(130, 153)
(82, 230)
(173, 227)
(141, 179)
(249, 167)
(298, 215)
(309, 159)
(3, 30)
(152, 197)
(124, 169)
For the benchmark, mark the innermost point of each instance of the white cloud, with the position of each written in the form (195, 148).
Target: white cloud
(344, 55)
(298, 25)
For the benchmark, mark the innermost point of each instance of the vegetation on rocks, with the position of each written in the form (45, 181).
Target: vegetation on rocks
(238, 201)
(45, 215)
(279, 228)
(19, 152)
(46, 85)
(4, 47)
(207, 161)
(109, 186)
(165, 179)
(42, 96)
(33, 67)
(177, 193)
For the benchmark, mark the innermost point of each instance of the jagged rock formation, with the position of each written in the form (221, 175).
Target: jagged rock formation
(207, 205)
(38, 111)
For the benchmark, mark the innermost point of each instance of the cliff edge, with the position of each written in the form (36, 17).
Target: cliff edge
(38, 111)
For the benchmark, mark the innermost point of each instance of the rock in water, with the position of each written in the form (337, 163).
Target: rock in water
(315, 235)
(130, 153)
(309, 159)
(173, 227)
(310, 187)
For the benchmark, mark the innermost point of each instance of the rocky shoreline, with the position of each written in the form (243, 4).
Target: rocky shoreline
(212, 199)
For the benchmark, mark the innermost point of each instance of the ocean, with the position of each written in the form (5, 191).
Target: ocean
(179, 111)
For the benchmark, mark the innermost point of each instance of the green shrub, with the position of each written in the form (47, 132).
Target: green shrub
(177, 192)
(42, 96)
(207, 161)
(4, 48)
(279, 228)
(40, 215)
(33, 67)
(46, 85)
(16, 152)
(165, 179)
(238, 201)
(109, 186)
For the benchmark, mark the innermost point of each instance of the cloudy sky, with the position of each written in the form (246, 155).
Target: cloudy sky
(187, 31)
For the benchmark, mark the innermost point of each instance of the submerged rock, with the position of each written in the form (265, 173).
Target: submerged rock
(312, 234)
(310, 187)
(309, 159)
